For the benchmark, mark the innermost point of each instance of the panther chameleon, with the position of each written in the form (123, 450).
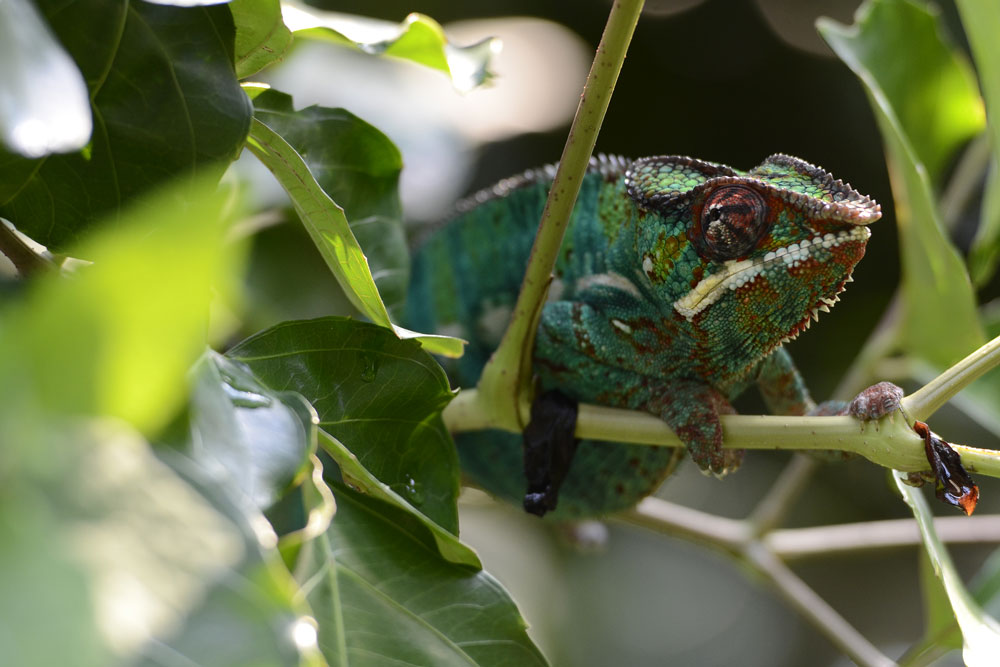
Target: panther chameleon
(676, 284)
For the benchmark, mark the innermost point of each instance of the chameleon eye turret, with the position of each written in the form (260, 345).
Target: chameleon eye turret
(675, 286)
(732, 220)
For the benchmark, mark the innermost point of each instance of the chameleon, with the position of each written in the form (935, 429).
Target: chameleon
(676, 284)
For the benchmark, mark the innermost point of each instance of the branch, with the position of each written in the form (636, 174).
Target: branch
(504, 383)
(21, 255)
(890, 443)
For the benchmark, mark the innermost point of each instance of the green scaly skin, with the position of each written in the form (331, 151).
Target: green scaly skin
(675, 286)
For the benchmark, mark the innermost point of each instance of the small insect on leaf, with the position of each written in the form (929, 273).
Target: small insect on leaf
(952, 484)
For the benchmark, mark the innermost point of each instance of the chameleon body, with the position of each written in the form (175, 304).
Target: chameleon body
(676, 284)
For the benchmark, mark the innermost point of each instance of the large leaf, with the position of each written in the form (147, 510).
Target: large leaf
(359, 168)
(119, 337)
(418, 38)
(330, 231)
(259, 440)
(981, 19)
(382, 595)
(927, 83)
(44, 106)
(381, 396)
(940, 324)
(165, 101)
(980, 632)
(261, 36)
(131, 564)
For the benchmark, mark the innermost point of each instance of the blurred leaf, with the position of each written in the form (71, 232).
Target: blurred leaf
(418, 38)
(165, 101)
(897, 47)
(44, 591)
(330, 231)
(981, 19)
(379, 395)
(980, 632)
(940, 324)
(119, 337)
(259, 439)
(250, 614)
(359, 168)
(383, 596)
(261, 35)
(44, 107)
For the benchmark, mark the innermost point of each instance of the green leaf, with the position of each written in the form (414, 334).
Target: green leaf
(44, 106)
(379, 395)
(981, 19)
(897, 47)
(43, 590)
(260, 438)
(980, 632)
(165, 101)
(359, 168)
(330, 231)
(158, 559)
(119, 337)
(940, 323)
(261, 36)
(418, 38)
(382, 595)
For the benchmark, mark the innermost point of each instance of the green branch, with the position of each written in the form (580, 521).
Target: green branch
(504, 386)
(890, 443)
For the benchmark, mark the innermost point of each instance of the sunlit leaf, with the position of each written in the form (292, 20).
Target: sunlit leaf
(118, 338)
(330, 231)
(261, 36)
(980, 632)
(981, 20)
(940, 324)
(418, 38)
(380, 396)
(382, 595)
(44, 107)
(166, 103)
(359, 168)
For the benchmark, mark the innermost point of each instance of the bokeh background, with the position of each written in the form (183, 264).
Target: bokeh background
(730, 81)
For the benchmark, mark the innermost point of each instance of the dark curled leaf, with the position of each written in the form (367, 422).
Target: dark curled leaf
(952, 484)
(549, 447)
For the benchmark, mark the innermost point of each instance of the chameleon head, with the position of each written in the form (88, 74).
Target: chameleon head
(747, 259)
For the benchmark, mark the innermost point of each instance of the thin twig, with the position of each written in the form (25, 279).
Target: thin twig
(780, 498)
(505, 380)
(798, 595)
(21, 255)
(877, 535)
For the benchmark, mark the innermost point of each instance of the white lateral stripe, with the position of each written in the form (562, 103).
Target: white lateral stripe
(735, 274)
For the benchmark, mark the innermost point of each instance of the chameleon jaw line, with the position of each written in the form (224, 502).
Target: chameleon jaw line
(735, 274)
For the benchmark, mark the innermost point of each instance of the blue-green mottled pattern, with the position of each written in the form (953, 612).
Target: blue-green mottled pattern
(617, 329)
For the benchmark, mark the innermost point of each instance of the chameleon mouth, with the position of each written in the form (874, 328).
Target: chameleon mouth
(735, 274)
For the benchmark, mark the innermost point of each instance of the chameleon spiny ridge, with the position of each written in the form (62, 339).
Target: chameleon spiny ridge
(675, 286)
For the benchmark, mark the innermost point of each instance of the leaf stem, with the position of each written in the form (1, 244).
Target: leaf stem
(922, 403)
(21, 255)
(505, 382)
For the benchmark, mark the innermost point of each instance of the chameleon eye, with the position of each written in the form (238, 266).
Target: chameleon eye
(733, 219)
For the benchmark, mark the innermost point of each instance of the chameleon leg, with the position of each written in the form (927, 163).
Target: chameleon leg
(549, 446)
(692, 410)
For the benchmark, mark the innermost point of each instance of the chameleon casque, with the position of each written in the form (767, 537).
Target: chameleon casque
(676, 284)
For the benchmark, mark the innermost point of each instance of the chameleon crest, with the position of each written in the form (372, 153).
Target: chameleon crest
(676, 284)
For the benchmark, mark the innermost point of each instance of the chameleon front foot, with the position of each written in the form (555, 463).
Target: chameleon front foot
(549, 446)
